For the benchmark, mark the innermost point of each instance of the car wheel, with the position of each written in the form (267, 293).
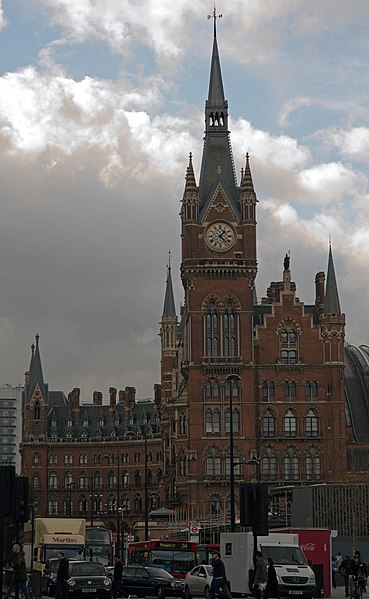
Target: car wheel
(207, 592)
(187, 593)
(160, 592)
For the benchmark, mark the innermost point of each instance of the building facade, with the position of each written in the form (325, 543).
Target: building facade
(283, 358)
(10, 426)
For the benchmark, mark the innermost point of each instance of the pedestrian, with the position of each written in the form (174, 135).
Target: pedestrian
(271, 589)
(61, 586)
(261, 575)
(219, 584)
(344, 571)
(19, 579)
(116, 588)
(334, 571)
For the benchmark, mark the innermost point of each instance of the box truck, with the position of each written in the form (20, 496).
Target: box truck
(294, 574)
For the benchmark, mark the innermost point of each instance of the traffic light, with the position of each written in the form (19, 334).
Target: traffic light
(7, 490)
(254, 507)
(21, 499)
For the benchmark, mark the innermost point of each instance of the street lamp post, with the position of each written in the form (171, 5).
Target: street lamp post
(232, 378)
(114, 457)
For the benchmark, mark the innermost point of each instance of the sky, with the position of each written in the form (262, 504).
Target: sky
(101, 102)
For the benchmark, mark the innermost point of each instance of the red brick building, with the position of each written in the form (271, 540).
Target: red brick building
(289, 409)
(289, 403)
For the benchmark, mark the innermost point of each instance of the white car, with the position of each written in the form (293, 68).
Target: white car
(197, 582)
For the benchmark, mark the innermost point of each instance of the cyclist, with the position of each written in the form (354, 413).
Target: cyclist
(357, 575)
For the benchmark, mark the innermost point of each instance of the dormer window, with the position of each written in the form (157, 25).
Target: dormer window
(69, 423)
(116, 421)
(85, 422)
(53, 423)
(130, 420)
(101, 421)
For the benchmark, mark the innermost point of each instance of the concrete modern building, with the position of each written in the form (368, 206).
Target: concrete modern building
(10, 425)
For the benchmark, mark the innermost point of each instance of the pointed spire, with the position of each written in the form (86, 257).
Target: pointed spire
(246, 176)
(36, 377)
(216, 91)
(169, 305)
(331, 302)
(217, 160)
(190, 175)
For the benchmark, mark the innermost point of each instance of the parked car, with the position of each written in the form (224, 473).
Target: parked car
(197, 582)
(151, 582)
(87, 579)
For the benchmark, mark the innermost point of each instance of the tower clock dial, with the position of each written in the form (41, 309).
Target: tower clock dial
(220, 236)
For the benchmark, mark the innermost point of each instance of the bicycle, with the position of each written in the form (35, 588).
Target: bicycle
(356, 589)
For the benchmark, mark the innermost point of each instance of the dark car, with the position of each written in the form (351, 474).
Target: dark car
(151, 582)
(86, 579)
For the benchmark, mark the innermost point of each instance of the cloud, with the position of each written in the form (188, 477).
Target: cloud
(330, 181)
(352, 143)
(2, 16)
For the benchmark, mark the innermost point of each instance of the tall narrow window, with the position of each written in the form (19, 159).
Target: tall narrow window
(229, 329)
(290, 424)
(311, 424)
(291, 465)
(312, 465)
(288, 346)
(268, 424)
(36, 412)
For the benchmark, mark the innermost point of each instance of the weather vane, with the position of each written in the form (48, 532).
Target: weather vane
(215, 17)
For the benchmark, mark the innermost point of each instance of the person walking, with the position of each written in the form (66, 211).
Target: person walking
(116, 588)
(61, 586)
(218, 585)
(261, 575)
(19, 579)
(271, 589)
(344, 571)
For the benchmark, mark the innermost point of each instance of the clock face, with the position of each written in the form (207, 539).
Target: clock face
(220, 236)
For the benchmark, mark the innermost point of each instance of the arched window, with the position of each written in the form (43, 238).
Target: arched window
(138, 504)
(312, 465)
(213, 462)
(36, 411)
(83, 481)
(36, 459)
(53, 480)
(53, 506)
(82, 505)
(125, 479)
(149, 478)
(236, 420)
(137, 479)
(269, 465)
(311, 389)
(268, 424)
(137, 457)
(236, 464)
(212, 421)
(212, 330)
(159, 476)
(183, 466)
(68, 480)
(289, 389)
(182, 424)
(98, 481)
(288, 346)
(268, 390)
(112, 480)
(68, 459)
(229, 329)
(36, 481)
(290, 424)
(291, 465)
(311, 424)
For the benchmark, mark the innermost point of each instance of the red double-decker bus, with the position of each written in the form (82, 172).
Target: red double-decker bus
(176, 557)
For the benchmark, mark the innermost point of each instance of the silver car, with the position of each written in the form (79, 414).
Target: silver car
(197, 582)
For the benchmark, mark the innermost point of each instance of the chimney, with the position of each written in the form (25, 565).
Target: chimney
(130, 398)
(319, 291)
(97, 398)
(121, 396)
(112, 397)
(73, 398)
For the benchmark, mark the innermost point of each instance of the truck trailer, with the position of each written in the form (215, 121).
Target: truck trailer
(294, 574)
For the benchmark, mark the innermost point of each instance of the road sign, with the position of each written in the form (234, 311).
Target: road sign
(194, 530)
(130, 538)
(195, 538)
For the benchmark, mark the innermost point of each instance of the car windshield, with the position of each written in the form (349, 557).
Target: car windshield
(86, 569)
(159, 572)
(284, 555)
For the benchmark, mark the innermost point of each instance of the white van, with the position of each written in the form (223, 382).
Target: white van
(294, 574)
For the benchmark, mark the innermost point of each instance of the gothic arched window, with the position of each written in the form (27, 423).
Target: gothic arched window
(53, 480)
(269, 465)
(288, 346)
(213, 462)
(290, 424)
(268, 424)
(36, 411)
(311, 424)
(312, 465)
(236, 420)
(291, 465)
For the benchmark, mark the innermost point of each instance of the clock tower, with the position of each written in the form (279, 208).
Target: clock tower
(218, 270)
